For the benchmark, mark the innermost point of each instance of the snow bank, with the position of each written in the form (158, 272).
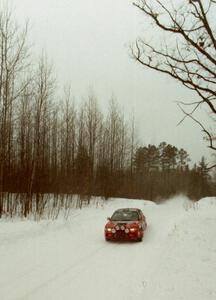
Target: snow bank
(207, 202)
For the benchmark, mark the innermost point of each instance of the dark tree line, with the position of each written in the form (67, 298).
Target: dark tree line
(50, 145)
(164, 171)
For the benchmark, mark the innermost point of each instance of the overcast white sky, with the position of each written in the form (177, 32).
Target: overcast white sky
(87, 41)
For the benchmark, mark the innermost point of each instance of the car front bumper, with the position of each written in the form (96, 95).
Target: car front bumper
(123, 236)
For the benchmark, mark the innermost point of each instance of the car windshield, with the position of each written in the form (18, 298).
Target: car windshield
(125, 215)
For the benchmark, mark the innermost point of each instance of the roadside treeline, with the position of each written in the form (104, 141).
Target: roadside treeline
(163, 171)
(51, 144)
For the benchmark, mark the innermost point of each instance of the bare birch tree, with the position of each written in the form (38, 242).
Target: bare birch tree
(183, 46)
(68, 137)
(44, 88)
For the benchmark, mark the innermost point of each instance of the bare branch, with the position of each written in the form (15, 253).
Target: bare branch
(210, 139)
(188, 53)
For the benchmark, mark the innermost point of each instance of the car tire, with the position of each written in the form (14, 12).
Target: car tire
(140, 238)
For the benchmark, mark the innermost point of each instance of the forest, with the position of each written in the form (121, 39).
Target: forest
(53, 144)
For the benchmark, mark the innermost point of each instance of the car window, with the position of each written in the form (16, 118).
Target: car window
(125, 215)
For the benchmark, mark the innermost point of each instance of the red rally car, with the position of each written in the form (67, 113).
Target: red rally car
(126, 224)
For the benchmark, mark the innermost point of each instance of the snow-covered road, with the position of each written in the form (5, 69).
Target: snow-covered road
(69, 259)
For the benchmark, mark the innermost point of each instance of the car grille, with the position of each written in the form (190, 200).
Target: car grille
(120, 234)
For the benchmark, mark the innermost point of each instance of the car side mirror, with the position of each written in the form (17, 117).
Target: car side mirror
(108, 218)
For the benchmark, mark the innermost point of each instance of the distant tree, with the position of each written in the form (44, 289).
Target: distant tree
(182, 158)
(200, 185)
(92, 126)
(153, 157)
(186, 51)
(55, 142)
(147, 158)
(68, 138)
(132, 145)
(168, 156)
(25, 136)
(83, 173)
(203, 169)
(43, 92)
(171, 156)
(113, 121)
(204, 177)
(139, 159)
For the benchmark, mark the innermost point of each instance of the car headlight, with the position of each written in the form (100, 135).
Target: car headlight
(133, 229)
(113, 230)
(117, 227)
(109, 229)
(126, 230)
(122, 227)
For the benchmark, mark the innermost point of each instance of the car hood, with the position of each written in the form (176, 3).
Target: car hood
(126, 223)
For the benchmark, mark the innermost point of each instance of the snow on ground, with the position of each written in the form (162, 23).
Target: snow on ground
(69, 259)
